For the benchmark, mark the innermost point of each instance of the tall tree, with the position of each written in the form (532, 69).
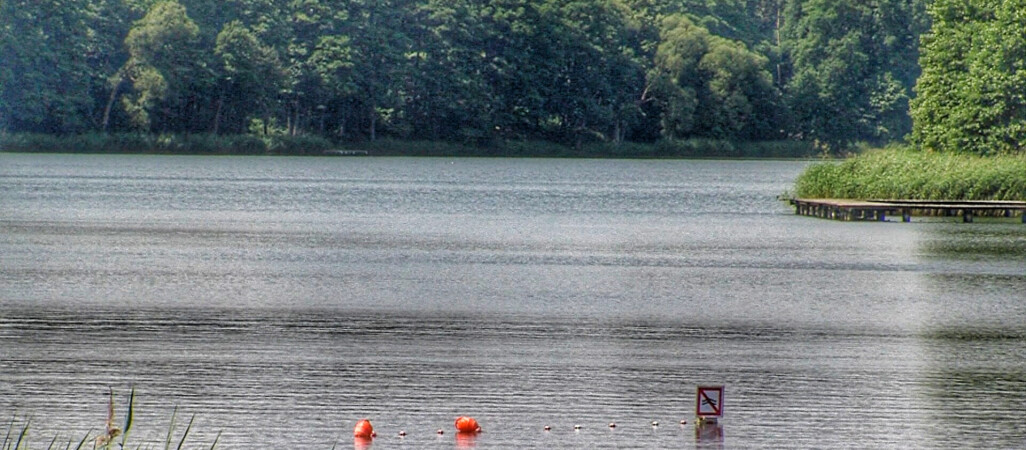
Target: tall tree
(307, 24)
(381, 46)
(166, 68)
(251, 77)
(972, 93)
(50, 66)
(710, 86)
(852, 68)
(606, 75)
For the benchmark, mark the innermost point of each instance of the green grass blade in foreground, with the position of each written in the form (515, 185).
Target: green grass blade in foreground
(217, 438)
(7, 436)
(84, 439)
(186, 434)
(23, 435)
(128, 417)
(170, 429)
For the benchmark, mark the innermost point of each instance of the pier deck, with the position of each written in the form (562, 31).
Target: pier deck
(879, 210)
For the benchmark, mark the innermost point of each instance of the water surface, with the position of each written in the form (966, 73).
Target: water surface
(282, 299)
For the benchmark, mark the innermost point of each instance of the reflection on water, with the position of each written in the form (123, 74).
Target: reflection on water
(708, 435)
(281, 299)
(973, 384)
(975, 244)
(362, 443)
(466, 440)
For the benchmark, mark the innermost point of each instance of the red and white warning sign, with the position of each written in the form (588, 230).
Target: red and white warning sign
(709, 402)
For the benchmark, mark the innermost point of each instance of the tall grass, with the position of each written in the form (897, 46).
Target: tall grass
(902, 173)
(113, 437)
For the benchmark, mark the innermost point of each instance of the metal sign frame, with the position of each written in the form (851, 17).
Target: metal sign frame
(709, 401)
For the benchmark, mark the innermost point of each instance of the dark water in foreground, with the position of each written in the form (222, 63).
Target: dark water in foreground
(280, 300)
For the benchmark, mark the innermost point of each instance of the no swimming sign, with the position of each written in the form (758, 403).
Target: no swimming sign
(709, 401)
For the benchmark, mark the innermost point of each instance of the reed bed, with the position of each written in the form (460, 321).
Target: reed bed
(112, 437)
(903, 173)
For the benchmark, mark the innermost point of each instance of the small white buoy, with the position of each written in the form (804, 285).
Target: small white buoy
(655, 423)
(402, 433)
(548, 428)
(440, 431)
(577, 427)
(612, 425)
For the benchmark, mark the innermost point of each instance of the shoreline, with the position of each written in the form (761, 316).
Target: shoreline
(315, 146)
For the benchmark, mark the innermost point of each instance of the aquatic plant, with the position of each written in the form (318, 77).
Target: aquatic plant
(903, 173)
(113, 437)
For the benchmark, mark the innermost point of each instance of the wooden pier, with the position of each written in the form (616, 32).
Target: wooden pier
(346, 153)
(880, 210)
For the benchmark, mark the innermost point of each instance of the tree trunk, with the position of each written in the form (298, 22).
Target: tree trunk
(776, 33)
(110, 104)
(373, 124)
(217, 113)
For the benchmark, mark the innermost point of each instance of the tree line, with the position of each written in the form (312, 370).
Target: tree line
(832, 72)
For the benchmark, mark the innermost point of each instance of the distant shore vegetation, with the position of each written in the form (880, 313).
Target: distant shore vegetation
(546, 78)
(284, 145)
(683, 77)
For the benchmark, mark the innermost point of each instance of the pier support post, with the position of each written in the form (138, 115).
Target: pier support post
(906, 216)
(967, 216)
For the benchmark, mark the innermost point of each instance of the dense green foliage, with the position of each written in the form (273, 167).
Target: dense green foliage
(972, 94)
(852, 65)
(474, 72)
(970, 103)
(901, 173)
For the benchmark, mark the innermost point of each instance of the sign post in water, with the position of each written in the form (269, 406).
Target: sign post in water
(709, 403)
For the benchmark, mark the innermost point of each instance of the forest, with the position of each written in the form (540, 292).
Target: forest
(828, 72)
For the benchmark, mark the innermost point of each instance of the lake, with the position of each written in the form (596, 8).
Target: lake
(279, 300)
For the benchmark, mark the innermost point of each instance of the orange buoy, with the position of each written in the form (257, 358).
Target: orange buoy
(467, 425)
(363, 430)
